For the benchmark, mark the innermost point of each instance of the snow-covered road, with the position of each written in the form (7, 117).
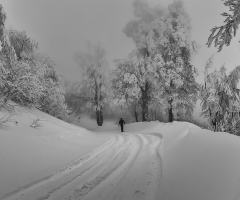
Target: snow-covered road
(151, 160)
(128, 166)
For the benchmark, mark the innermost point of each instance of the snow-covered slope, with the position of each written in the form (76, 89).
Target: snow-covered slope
(199, 164)
(28, 154)
(150, 160)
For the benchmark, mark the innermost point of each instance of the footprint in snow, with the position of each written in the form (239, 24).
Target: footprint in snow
(139, 195)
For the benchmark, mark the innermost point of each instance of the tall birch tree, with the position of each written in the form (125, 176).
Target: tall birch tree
(94, 67)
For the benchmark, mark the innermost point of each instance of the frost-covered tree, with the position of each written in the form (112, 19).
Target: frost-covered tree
(163, 39)
(220, 98)
(23, 45)
(52, 99)
(71, 97)
(19, 78)
(222, 35)
(20, 84)
(2, 22)
(94, 69)
(25, 77)
(18, 81)
(135, 110)
(23, 80)
(133, 82)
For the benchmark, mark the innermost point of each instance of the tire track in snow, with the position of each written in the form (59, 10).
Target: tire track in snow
(117, 170)
(92, 167)
(87, 187)
(128, 166)
(155, 147)
(20, 191)
(140, 179)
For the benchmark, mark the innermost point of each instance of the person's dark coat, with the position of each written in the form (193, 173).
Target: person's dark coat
(121, 123)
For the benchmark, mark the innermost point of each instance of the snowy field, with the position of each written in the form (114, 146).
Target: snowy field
(150, 160)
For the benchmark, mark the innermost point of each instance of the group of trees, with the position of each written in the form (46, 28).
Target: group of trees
(159, 71)
(159, 76)
(155, 81)
(220, 98)
(219, 94)
(156, 76)
(28, 78)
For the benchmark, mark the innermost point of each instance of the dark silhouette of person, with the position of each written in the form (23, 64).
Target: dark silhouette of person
(121, 122)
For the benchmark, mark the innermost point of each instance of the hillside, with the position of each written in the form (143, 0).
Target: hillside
(150, 160)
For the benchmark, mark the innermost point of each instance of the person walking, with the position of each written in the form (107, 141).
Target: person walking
(121, 122)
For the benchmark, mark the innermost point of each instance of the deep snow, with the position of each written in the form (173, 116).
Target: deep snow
(28, 154)
(150, 160)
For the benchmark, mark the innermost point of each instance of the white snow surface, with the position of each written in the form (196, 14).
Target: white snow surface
(149, 161)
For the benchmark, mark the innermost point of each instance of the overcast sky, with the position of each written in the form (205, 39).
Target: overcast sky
(62, 27)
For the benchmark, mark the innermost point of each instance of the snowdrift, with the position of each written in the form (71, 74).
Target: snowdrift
(193, 163)
(198, 164)
(28, 154)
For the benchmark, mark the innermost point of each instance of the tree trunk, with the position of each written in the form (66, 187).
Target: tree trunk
(152, 115)
(98, 100)
(136, 116)
(143, 115)
(214, 123)
(145, 111)
(170, 113)
(145, 100)
(99, 117)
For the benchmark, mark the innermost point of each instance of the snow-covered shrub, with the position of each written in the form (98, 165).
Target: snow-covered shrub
(6, 119)
(21, 84)
(220, 98)
(35, 123)
(18, 78)
(202, 125)
(72, 117)
(230, 124)
(52, 101)
(76, 104)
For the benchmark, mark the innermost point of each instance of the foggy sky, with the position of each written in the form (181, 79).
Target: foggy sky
(63, 26)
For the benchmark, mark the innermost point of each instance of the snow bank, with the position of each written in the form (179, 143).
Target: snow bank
(198, 164)
(194, 163)
(27, 154)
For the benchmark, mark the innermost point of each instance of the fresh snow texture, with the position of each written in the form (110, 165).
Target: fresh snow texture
(150, 161)
(28, 155)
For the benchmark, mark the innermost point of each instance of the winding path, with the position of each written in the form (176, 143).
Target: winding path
(128, 166)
